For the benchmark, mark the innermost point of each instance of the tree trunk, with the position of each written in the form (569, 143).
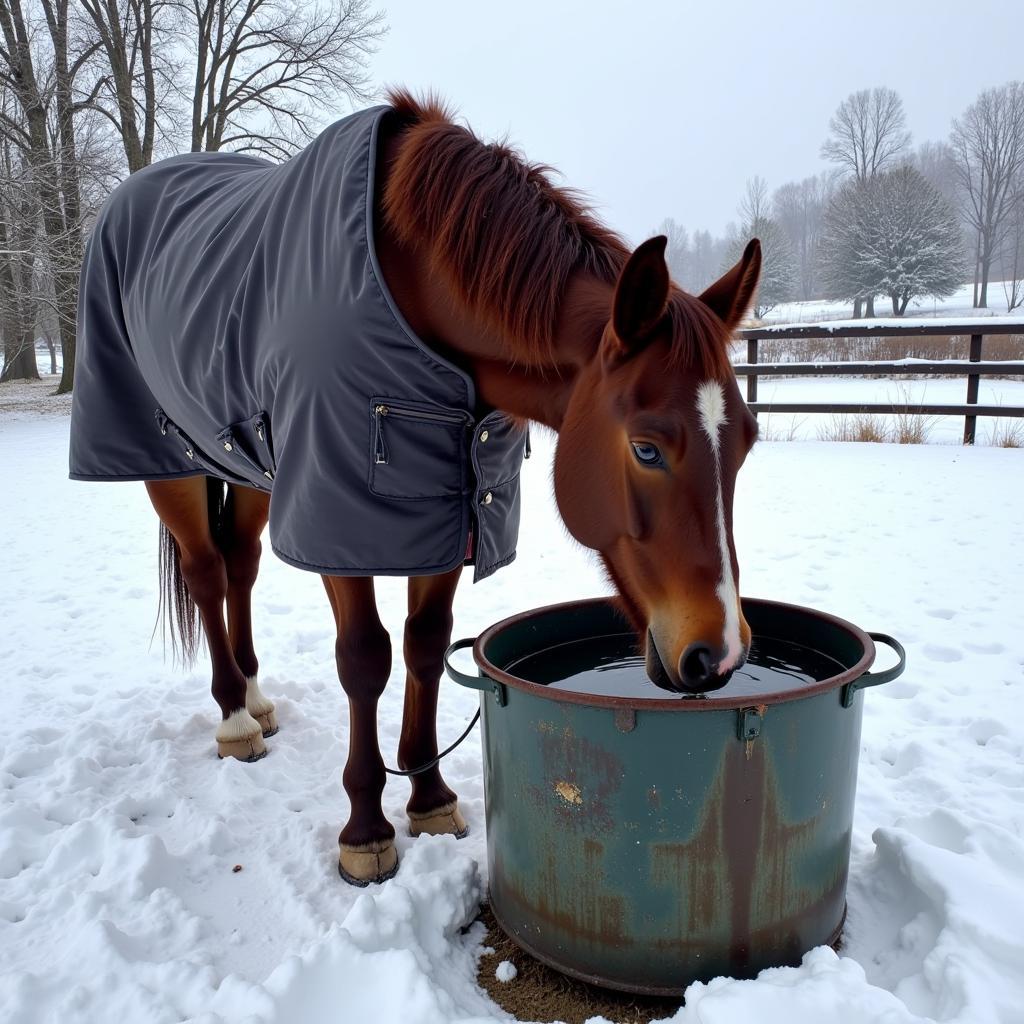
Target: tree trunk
(870, 310)
(856, 309)
(895, 304)
(53, 355)
(66, 287)
(66, 281)
(20, 359)
(55, 169)
(986, 267)
(977, 268)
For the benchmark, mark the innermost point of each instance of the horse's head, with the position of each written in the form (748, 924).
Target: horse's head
(648, 452)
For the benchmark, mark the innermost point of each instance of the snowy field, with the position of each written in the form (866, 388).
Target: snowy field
(119, 829)
(957, 305)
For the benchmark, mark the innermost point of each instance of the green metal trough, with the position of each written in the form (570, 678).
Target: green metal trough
(642, 844)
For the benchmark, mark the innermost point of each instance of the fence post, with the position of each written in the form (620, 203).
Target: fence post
(972, 389)
(752, 378)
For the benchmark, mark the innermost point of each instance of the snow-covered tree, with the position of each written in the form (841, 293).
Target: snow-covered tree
(778, 264)
(894, 234)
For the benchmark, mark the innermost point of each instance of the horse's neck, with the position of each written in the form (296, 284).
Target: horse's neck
(507, 381)
(504, 379)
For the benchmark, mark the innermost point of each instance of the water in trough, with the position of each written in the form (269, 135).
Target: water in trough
(612, 666)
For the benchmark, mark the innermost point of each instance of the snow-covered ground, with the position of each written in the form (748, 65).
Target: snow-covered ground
(120, 830)
(958, 305)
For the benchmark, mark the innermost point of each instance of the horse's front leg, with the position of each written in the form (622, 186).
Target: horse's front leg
(433, 808)
(245, 516)
(363, 650)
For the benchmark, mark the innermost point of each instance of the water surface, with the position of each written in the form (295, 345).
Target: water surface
(612, 666)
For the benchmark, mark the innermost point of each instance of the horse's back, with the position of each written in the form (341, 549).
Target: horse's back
(143, 260)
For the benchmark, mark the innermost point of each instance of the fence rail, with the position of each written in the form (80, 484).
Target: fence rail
(973, 368)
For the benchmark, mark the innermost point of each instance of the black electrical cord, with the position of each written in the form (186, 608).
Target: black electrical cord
(436, 760)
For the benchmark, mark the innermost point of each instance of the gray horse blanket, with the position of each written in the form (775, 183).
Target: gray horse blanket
(233, 321)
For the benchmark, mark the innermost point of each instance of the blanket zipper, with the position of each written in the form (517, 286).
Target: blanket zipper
(380, 411)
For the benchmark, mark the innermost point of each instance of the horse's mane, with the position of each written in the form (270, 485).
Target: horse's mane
(506, 238)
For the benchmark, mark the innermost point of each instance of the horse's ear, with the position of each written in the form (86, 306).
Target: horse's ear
(729, 297)
(641, 295)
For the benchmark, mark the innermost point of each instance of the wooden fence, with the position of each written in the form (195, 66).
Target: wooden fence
(972, 369)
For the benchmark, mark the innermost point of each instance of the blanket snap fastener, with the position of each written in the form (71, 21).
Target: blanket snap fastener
(487, 498)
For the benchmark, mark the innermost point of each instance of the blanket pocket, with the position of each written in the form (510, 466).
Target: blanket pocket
(417, 451)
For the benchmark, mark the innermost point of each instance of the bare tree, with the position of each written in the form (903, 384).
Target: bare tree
(18, 218)
(1013, 257)
(677, 252)
(136, 39)
(52, 155)
(778, 264)
(265, 67)
(755, 205)
(867, 132)
(988, 145)
(937, 163)
(706, 256)
(799, 208)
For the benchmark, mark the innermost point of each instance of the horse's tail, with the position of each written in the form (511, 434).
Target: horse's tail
(177, 609)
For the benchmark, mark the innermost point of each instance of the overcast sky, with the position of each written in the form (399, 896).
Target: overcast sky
(662, 109)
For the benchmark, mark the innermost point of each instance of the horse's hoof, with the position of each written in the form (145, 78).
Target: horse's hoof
(268, 724)
(445, 821)
(239, 735)
(249, 748)
(372, 862)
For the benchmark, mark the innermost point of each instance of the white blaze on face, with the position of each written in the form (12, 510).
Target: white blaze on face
(711, 406)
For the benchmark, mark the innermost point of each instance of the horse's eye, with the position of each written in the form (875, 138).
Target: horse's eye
(647, 454)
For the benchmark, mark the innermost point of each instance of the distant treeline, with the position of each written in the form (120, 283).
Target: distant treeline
(887, 220)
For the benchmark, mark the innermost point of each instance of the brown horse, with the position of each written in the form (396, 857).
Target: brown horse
(512, 279)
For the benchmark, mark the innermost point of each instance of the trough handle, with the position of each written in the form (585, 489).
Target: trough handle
(876, 678)
(477, 682)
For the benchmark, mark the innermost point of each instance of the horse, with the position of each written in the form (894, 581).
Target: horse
(501, 273)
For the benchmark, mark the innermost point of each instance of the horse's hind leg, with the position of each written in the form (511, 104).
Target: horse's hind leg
(182, 506)
(245, 516)
(433, 808)
(363, 650)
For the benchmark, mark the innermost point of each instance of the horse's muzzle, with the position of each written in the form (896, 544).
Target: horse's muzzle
(697, 671)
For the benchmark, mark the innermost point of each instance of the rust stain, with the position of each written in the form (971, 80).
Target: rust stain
(762, 851)
(585, 912)
(569, 792)
(575, 760)
(695, 867)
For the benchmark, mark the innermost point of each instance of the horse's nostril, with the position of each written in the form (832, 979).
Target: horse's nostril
(695, 666)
